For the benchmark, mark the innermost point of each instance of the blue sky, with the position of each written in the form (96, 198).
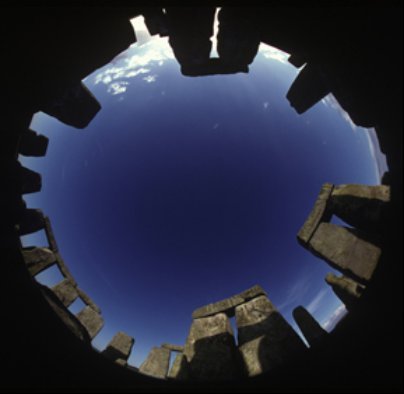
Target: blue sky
(184, 191)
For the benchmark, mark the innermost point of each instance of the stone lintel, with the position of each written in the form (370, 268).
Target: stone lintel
(318, 214)
(156, 363)
(174, 348)
(346, 289)
(227, 306)
(64, 270)
(49, 235)
(347, 250)
(87, 300)
(66, 292)
(38, 259)
(91, 320)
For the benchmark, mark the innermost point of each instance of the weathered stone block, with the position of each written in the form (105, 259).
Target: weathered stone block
(319, 213)
(119, 348)
(179, 369)
(309, 326)
(309, 87)
(210, 349)
(361, 206)
(87, 300)
(30, 181)
(38, 259)
(66, 292)
(347, 250)
(50, 236)
(157, 363)
(347, 290)
(31, 221)
(265, 338)
(66, 273)
(33, 144)
(77, 107)
(91, 320)
(174, 348)
(227, 306)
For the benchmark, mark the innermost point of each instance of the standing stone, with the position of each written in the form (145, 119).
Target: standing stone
(346, 250)
(227, 306)
(38, 259)
(32, 144)
(210, 349)
(157, 363)
(66, 292)
(30, 181)
(265, 339)
(309, 326)
(361, 206)
(119, 348)
(50, 235)
(346, 289)
(180, 368)
(91, 320)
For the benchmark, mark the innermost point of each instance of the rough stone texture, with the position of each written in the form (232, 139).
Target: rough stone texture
(157, 363)
(361, 206)
(308, 88)
(66, 292)
(50, 236)
(76, 107)
(210, 349)
(71, 321)
(31, 221)
(346, 289)
(30, 181)
(347, 250)
(91, 320)
(309, 326)
(318, 214)
(265, 339)
(38, 259)
(174, 348)
(179, 369)
(119, 348)
(32, 144)
(227, 306)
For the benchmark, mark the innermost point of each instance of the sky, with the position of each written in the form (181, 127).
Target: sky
(185, 191)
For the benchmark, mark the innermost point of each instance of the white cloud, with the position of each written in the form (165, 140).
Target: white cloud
(334, 318)
(265, 104)
(316, 301)
(331, 102)
(150, 78)
(117, 87)
(273, 53)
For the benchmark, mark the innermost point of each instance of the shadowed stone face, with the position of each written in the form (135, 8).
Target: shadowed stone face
(310, 328)
(91, 320)
(346, 289)
(38, 259)
(157, 363)
(119, 348)
(265, 338)
(210, 349)
(180, 367)
(66, 292)
(227, 306)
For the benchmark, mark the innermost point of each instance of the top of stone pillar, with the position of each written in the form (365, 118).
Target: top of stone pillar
(227, 306)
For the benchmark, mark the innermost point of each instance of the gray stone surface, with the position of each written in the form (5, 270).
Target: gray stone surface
(119, 348)
(49, 235)
(210, 349)
(361, 206)
(346, 289)
(156, 363)
(346, 250)
(227, 306)
(65, 271)
(33, 144)
(265, 339)
(319, 213)
(309, 326)
(66, 292)
(91, 320)
(38, 259)
(174, 348)
(179, 369)
(87, 300)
